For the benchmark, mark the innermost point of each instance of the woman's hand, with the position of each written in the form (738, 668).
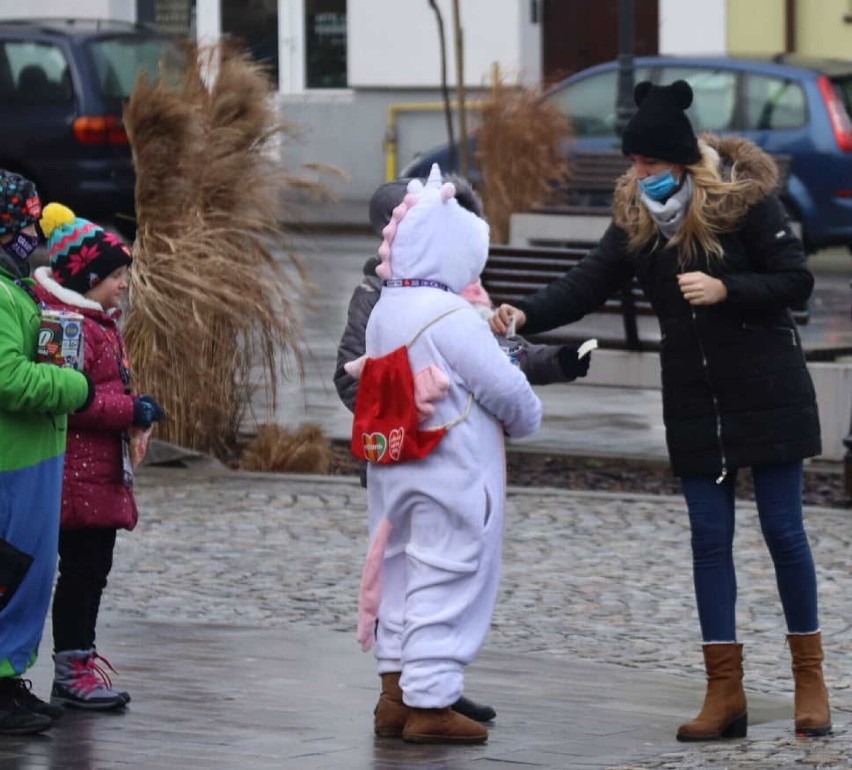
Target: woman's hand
(503, 316)
(701, 289)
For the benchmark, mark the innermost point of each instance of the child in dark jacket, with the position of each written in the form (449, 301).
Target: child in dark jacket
(89, 274)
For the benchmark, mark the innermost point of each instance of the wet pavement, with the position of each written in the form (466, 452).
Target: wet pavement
(230, 615)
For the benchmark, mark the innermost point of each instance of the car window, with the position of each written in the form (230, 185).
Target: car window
(34, 74)
(773, 103)
(119, 60)
(714, 95)
(844, 88)
(590, 104)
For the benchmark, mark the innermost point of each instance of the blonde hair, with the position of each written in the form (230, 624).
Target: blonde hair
(717, 206)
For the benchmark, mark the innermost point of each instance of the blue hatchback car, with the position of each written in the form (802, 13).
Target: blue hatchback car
(63, 85)
(799, 108)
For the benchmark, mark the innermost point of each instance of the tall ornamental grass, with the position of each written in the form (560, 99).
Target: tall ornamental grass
(520, 152)
(214, 304)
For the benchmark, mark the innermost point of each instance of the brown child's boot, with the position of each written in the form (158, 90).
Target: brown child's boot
(442, 726)
(724, 712)
(812, 714)
(390, 713)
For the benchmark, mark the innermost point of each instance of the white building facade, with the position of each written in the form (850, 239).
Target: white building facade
(363, 77)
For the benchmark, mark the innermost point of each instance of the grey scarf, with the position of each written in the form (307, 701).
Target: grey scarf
(669, 215)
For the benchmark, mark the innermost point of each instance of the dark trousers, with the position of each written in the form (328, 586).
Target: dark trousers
(85, 560)
(778, 494)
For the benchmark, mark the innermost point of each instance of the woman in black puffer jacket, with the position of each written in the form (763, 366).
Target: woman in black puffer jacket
(699, 226)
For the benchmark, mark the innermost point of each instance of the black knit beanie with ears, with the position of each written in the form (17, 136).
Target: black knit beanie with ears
(659, 128)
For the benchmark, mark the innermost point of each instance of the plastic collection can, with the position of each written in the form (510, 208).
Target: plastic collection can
(60, 339)
(512, 346)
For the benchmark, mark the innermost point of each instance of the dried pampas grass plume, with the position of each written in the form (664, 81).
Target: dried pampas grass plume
(520, 153)
(215, 306)
(304, 450)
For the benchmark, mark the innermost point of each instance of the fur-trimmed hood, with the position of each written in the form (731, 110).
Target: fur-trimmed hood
(734, 159)
(741, 159)
(47, 284)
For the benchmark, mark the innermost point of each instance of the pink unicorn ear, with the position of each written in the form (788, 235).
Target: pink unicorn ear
(448, 190)
(355, 368)
(430, 384)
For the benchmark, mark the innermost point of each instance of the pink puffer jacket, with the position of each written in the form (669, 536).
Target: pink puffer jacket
(93, 491)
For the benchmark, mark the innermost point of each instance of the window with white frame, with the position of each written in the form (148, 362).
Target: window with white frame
(325, 44)
(304, 43)
(253, 25)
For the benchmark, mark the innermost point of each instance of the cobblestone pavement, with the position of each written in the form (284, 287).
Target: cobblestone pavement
(604, 577)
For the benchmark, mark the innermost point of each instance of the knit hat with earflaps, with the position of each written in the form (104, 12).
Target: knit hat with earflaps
(81, 253)
(660, 128)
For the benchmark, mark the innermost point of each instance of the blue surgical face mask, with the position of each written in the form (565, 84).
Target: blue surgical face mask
(21, 246)
(659, 186)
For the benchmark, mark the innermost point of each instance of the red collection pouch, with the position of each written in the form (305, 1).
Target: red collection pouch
(385, 426)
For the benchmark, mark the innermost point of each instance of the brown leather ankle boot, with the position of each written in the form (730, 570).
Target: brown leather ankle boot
(390, 713)
(442, 726)
(812, 713)
(724, 712)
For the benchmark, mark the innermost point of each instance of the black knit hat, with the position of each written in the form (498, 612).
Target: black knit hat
(659, 128)
(19, 203)
(81, 253)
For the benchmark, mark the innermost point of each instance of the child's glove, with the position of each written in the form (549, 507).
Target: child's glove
(146, 411)
(572, 366)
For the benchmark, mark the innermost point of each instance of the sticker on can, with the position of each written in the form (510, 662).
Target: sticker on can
(60, 338)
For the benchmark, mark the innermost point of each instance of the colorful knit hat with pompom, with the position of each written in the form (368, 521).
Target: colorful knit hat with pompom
(81, 253)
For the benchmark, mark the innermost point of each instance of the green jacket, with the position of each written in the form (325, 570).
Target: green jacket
(34, 398)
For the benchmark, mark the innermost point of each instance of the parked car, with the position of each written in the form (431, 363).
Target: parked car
(63, 83)
(789, 106)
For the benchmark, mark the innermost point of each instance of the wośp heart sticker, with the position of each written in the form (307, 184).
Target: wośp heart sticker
(396, 437)
(375, 445)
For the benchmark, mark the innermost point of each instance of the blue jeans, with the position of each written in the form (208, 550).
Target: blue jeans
(778, 493)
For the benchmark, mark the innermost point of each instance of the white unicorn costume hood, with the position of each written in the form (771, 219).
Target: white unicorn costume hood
(431, 237)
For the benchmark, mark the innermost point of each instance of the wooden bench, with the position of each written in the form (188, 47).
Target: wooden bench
(514, 272)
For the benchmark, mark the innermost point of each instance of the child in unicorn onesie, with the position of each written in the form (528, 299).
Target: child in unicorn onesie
(437, 522)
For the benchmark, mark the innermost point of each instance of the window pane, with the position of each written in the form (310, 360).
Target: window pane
(590, 104)
(325, 43)
(714, 96)
(119, 61)
(773, 103)
(35, 73)
(253, 24)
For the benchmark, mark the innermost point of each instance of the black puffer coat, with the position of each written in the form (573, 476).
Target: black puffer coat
(736, 391)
